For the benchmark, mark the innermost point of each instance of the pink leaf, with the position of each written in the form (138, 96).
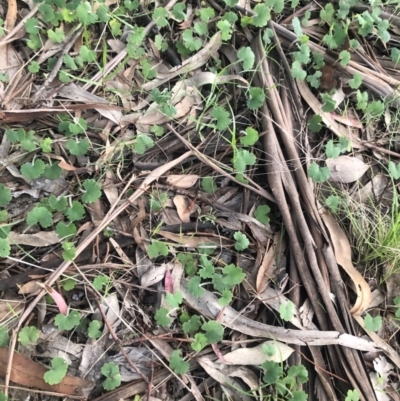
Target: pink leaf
(58, 299)
(169, 283)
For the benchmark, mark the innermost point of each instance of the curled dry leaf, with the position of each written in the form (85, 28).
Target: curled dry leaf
(182, 181)
(346, 169)
(257, 356)
(342, 252)
(184, 208)
(58, 299)
(41, 238)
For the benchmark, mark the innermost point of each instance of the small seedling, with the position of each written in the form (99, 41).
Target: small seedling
(28, 335)
(177, 364)
(57, 372)
(113, 378)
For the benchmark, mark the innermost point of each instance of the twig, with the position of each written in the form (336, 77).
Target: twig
(257, 189)
(57, 66)
(117, 340)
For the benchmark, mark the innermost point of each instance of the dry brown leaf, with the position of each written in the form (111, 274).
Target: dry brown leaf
(28, 373)
(346, 169)
(41, 238)
(31, 287)
(342, 252)
(194, 242)
(257, 356)
(183, 208)
(182, 181)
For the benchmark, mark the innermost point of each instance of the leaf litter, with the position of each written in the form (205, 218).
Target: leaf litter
(181, 182)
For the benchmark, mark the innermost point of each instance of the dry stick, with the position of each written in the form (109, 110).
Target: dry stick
(257, 189)
(12, 13)
(57, 66)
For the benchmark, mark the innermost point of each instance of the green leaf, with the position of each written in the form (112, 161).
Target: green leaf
(78, 127)
(356, 81)
(158, 201)
(177, 11)
(333, 202)
(177, 364)
(395, 55)
(192, 325)
(327, 13)
(222, 116)
(162, 46)
(85, 14)
(208, 185)
(75, 212)
(174, 300)
(53, 172)
(297, 27)
(277, 5)
(268, 34)
(67, 322)
(28, 335)
(206, 13)
(161, 317)
(69, 251)
(78, 148)
(375, 108)
(329, 103)
(242, 242)
(189, 262)
(297, 71)
(94, 329)
(47, 12)
(65, 231)
(3, 215)
(34, 170)
(115, 27)
(269, 349)
(4, 337)
(314, 124)
(286, 311)
(93, 191)
(352, 395)
(69, 283)
(3, 397)
(226, 298)
(191, 43)
(64, 77)
(194, 287)
(33, 67)
(5, 195)
(157, 248)
(394, 170)
(111, 371)
(57, 372)
(56, 36)
(317, 173)
(243, 158)
(39, 215)
(101, 281)
(255, 98)
(200, 342)
(157, 130)
(303, 55)
(314, 79)
(45, 144)
(261, 214)
(263, 15)
(86, 54)
(273, 372)
(299, 372)
(207, 270)
(250, 138)
(214, 331)
(332, 151)
(247, 57)
(159, 17)
(58, 204)
(142, 143)
(32, 26)
(372, 323)
(231, 3)
(362, 100)
(226, 29)
(232, 275)
(344, 57)
(298, 395)
(5, 248)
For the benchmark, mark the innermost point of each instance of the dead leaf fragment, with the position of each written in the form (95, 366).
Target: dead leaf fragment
(257, 356)
(184, 208)
(182, 181)
(346, 169)
(41, 238)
